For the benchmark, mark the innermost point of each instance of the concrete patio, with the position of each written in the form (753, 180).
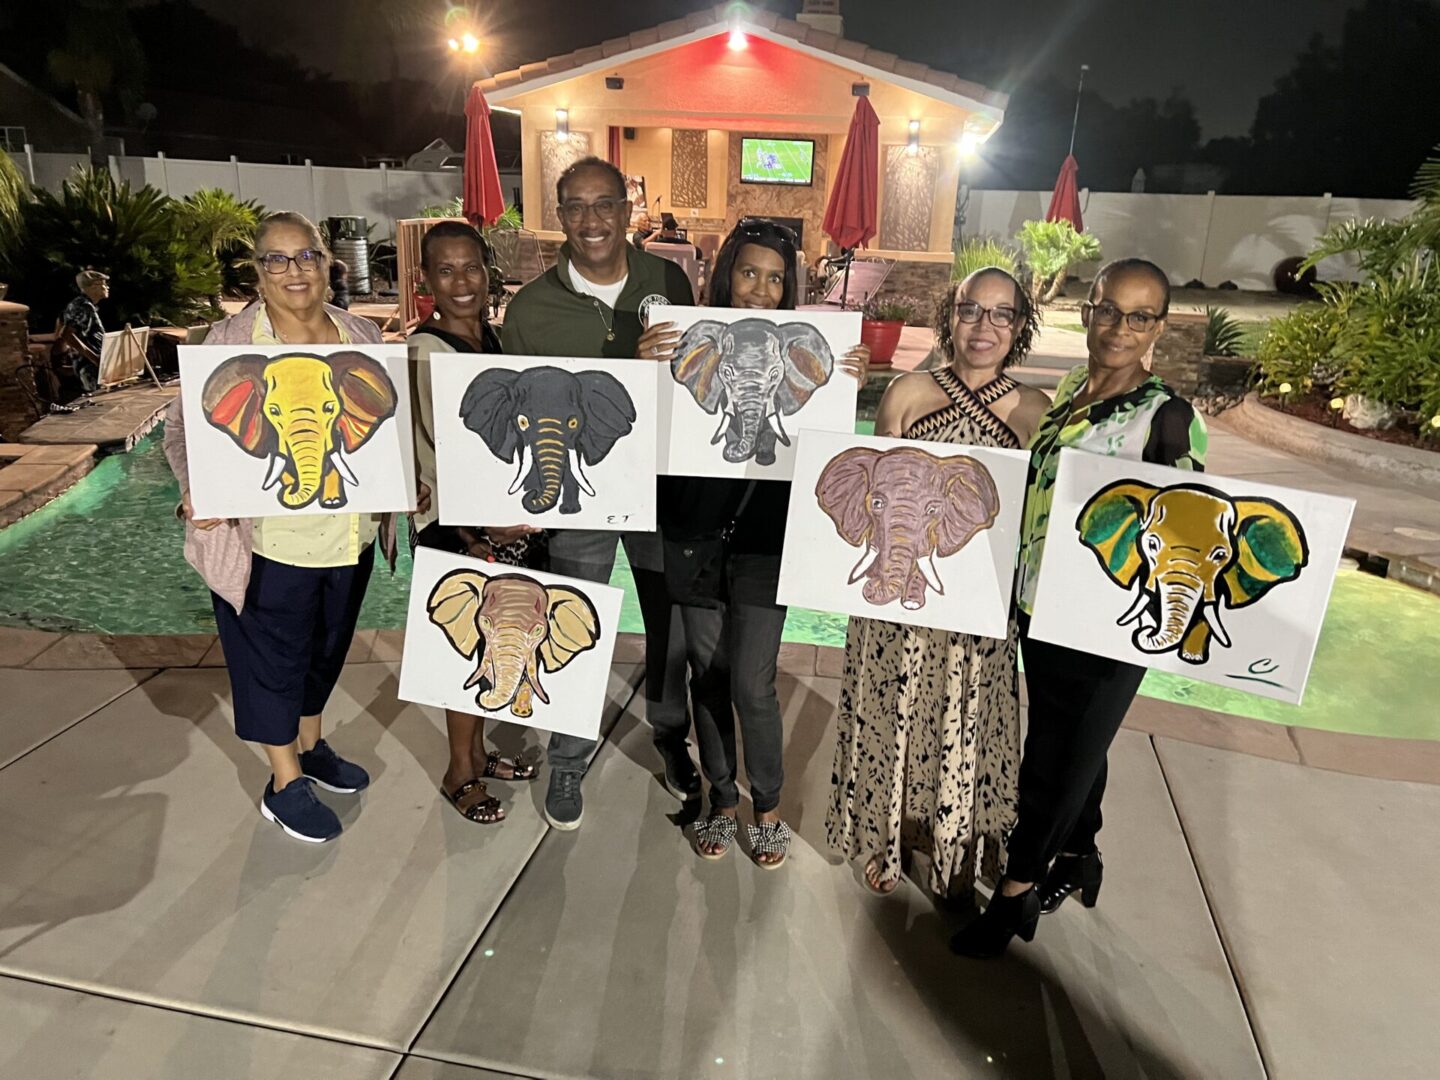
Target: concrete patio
(152, 925)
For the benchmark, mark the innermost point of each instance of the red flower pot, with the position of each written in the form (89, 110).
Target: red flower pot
(424, 306)
(882, 338)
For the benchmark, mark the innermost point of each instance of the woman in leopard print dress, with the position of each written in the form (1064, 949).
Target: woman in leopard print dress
(928, 740)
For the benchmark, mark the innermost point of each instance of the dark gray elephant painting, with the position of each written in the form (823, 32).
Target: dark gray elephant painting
(752, 372)
(554, 423)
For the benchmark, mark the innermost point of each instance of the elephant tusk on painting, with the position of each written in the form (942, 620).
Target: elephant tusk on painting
(337, 458)
(274, 473)
(579, 471)
(524, 468)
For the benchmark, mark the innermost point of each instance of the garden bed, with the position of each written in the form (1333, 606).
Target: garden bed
(1317, 410)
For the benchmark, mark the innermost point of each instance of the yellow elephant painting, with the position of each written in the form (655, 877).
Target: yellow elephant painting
(1186, 551)
(304, 413)
(517, 625)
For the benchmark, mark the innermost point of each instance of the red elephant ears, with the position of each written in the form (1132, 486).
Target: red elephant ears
(238, 412)
(367, 397)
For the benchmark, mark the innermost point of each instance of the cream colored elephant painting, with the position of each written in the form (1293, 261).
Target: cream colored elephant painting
(1186, 553)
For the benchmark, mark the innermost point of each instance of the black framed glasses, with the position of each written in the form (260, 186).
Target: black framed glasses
(1107, 314)
(573, 213)
(276, 262)
(1002, 316)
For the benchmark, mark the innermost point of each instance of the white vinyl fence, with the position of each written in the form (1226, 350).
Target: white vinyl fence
(1212, 238)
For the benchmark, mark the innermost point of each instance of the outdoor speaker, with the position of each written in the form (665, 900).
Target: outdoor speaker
(614, 82)
(860, 89)
(630, 133)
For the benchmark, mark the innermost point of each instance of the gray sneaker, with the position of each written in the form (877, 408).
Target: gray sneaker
(564, 806)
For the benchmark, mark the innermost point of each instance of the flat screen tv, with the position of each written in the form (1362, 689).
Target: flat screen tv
(777, 161)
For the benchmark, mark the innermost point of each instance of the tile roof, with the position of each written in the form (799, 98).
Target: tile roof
(719, 17)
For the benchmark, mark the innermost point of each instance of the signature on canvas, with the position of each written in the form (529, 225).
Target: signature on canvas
(304, 413)
(1186, 551)
(554, 423)
(905, 507)
(517, 625)
(752, 372)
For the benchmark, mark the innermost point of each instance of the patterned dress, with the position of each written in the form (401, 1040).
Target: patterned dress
(927, 747)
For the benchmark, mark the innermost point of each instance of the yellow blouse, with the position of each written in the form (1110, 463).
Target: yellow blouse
(318, 539)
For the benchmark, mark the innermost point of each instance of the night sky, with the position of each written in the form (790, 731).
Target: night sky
(1222, 54)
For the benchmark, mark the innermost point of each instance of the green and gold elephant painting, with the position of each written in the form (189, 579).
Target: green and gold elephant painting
(517, 625)
(1186, 551)
(304, 413)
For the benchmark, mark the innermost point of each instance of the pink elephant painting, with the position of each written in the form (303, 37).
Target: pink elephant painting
(905, 507)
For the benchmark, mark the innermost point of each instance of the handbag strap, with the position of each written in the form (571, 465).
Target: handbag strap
(740, 509)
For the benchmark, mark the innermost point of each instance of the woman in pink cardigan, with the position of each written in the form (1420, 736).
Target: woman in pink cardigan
(287, 591)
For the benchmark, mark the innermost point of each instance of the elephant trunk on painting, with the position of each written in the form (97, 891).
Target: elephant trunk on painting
(507, 665)
(750, 393)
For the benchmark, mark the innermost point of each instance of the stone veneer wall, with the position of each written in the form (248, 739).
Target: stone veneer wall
(15, 413)
(1180, 354)
(780, 200)
(923, 281)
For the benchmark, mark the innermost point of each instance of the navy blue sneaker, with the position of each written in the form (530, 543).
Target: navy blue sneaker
(331, 771)
(564, 806)
(296, 810)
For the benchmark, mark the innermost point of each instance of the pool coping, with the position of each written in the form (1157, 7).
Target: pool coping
(46, 471)
(1374, 756)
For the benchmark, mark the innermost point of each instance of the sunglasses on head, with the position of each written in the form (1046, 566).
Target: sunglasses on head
(757, 229)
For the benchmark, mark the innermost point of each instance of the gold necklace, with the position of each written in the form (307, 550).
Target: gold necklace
(609, 326)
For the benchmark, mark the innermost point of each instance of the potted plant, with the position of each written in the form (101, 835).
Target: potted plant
(424, 302)
(881, 324)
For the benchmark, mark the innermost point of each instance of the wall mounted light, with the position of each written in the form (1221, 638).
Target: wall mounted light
(969, 145)
(562, 125)
(912, 142)
(738, 40)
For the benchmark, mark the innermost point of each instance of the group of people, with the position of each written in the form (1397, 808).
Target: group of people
(928, 758)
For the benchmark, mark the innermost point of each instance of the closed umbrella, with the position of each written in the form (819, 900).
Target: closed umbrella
(483, 201)
(850, 217)
(1065, 200)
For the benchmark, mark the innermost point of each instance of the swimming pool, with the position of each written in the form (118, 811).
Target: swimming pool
(106, 557)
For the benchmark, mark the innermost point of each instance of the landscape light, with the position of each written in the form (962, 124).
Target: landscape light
(562, 125)
(912, 143)
(738, 40)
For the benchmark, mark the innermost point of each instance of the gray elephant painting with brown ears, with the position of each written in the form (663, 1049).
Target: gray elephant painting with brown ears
(752, 372)
(905, 507)
(517, 626)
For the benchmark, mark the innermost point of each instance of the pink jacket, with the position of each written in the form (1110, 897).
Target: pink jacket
(222, 554)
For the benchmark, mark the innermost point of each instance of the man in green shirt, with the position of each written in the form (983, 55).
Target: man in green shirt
(594, 302)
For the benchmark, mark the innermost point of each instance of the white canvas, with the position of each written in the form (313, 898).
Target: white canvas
(346, 414)
(1261, 558)
(856, 498)
(797, 379)
(504, 441)
(541, 643)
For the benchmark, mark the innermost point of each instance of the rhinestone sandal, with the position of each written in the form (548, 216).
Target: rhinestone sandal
(475, 803)
(716, 830)
(518, 770)
(769, 838)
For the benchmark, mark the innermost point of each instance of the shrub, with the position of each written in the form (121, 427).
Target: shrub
(895, 309)
(1296, 347)
(1048, 250)
(979, 252)
(14, 193)
(1223, 334)
(226, 226)
(136, 236)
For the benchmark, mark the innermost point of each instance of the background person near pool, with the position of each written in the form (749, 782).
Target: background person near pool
(287, 590)
(589, 304)
(453, 260)
(1112, 406)
(927, 743)
(733, 649)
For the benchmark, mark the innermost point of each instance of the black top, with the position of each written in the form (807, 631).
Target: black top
(489, 339)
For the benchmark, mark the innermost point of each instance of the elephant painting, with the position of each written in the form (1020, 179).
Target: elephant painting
(553, 423)
(752, 372)
(517, 625)
(905, 507)
(1184, 552)
(304, 413)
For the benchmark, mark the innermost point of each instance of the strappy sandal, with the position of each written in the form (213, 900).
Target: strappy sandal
(769, 838)
(881, 886)
(475, 803)
(518, 771)
(716, 830)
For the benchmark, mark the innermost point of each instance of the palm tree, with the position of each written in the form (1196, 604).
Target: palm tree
(100, 55)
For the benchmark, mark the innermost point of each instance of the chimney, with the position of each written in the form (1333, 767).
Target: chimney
(823, 15)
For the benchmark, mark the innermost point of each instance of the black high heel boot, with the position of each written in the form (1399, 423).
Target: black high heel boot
(1004, 917)
(1072, 873)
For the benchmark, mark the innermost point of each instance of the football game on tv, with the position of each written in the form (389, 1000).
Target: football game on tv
(777, 161)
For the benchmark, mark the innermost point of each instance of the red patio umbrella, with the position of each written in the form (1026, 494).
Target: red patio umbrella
(483, 201)
(851, 215)
(1065, 200)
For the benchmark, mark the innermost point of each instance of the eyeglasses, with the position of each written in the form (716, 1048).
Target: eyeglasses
(1001, 317)
(1107, 314)
(276, 262)
(574, 213)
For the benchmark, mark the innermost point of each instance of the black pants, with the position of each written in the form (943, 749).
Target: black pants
(1077, 703)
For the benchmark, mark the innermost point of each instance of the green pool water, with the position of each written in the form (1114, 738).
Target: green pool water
(106, 557)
